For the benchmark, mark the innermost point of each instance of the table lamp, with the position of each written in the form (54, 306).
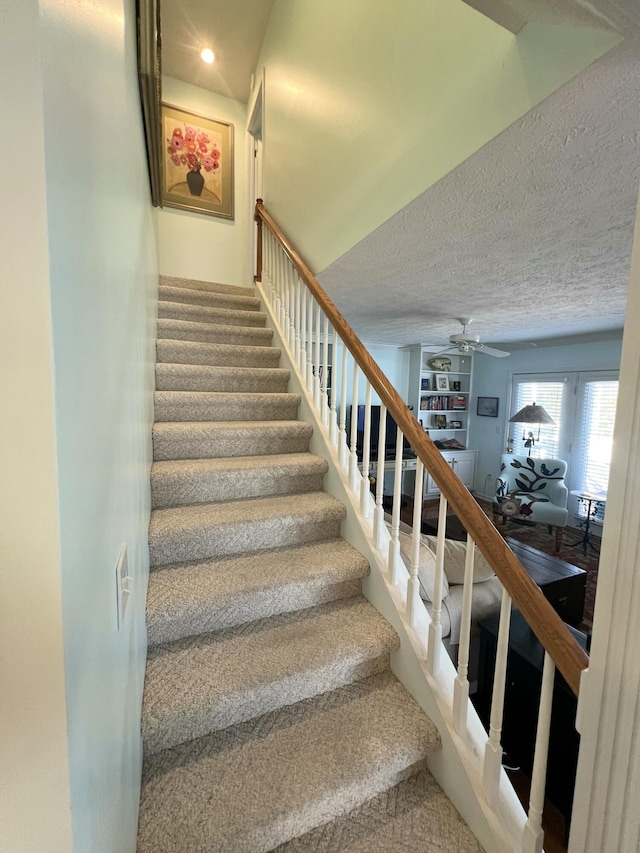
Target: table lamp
(532, 414)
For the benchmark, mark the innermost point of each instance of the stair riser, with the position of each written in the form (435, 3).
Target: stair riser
(208, 616)
(204, 441)
(209, 286)
(209, 333)
(197, 406)
(200, 721)
(207, 298)
(204, 378)
(200, 314)
(208, 487)
(240, 537)
(187, 352)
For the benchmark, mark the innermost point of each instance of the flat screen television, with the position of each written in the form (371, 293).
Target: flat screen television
(391, 437)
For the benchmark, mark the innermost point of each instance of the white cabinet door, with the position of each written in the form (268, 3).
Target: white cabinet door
(463, 463)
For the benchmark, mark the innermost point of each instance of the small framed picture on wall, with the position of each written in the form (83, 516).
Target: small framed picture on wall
(488, 407)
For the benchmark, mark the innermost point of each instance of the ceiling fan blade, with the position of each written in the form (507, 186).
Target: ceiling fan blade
(496, 353)
(433, 347)
(441, 351)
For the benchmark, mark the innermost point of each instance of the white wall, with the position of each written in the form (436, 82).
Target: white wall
(492, 378)
(34, 773)
(367, 105)
(96, 303)
(394, 363)
(195, 245)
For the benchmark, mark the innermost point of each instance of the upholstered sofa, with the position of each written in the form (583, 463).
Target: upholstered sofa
(487, 589)
(533, 491)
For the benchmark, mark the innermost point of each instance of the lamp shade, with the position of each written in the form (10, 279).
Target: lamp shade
(532, 414)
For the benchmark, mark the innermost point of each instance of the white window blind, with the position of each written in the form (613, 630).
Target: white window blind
(595, 435)
(549, 394)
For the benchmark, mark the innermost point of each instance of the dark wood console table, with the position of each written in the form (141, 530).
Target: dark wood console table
(522, 697)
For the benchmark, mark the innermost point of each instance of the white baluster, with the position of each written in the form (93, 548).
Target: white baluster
(394, 544)
(435, 626)
(284, 319)
(272, 273)
(493, 749)
(365, 500)
(378, 514)
(316, 362)
(333, 415)
(533, 836)
(324, 400)
(280, 314)
(413, 589)
(297, 293)
(461, 684)
(287, 298)
(354, 474)
(343, 447)
(310, 345)
(292, 306)
(266, 274)
(303, 329)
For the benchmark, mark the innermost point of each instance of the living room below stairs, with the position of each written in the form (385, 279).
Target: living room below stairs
(271, 719)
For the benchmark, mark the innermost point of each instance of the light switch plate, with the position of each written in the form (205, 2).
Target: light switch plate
(123, 585)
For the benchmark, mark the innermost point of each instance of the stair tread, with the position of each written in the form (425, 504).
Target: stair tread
(258, 784)
(200, 531)
(196, 296)
(183, 481)
(194, 439)
(188, 598)
(276, 461)
(172, 351)
(212, 332)
(199, 284)
(190, 518)
(220, 378)
(208, 682)
(206, 405)
(206, 314)
(414, 815)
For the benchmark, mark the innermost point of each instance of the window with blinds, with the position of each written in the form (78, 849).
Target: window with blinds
(592, 452)
(547, 393)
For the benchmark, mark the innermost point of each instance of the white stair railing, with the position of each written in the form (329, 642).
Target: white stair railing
(323, 358)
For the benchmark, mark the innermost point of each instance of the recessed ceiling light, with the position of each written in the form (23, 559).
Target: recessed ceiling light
(207, 55)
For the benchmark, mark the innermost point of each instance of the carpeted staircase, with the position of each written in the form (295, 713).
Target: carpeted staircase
(270, 717)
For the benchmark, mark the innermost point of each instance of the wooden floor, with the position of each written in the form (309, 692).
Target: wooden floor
(553, 822)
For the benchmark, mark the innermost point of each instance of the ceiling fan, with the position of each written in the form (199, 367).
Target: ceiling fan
(464, 342)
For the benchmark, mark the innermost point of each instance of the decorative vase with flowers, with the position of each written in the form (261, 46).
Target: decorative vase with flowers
(193, 149)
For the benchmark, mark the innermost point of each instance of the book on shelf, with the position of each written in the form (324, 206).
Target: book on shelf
(458, 402)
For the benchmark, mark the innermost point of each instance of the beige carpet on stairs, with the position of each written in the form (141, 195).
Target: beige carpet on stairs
(271, 719)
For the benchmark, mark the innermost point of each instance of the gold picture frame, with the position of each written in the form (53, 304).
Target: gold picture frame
(197, 162)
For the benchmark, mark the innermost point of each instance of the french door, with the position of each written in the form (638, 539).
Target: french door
(582, 405)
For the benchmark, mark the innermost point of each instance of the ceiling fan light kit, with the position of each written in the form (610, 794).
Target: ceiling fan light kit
(467, 343)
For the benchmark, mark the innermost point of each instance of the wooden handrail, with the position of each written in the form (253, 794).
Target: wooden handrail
(569, 657)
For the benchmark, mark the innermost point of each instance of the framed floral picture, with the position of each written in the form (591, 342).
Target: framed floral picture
(197, 162)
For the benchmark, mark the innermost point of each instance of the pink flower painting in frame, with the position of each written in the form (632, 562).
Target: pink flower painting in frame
(197, 162)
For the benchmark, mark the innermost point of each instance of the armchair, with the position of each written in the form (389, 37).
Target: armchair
(532, 490)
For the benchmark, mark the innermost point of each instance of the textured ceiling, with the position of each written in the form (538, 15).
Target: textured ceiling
(233, 29)
(531, 236)
(618, 15)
